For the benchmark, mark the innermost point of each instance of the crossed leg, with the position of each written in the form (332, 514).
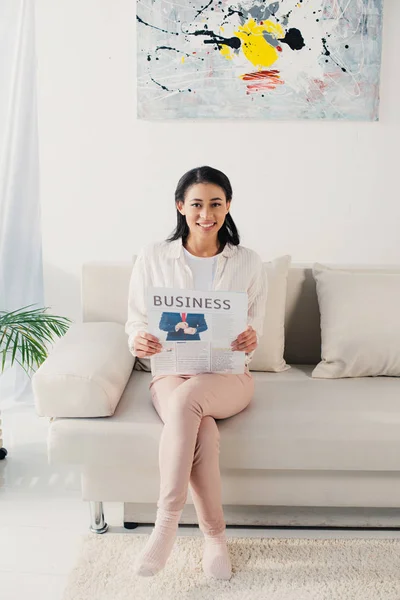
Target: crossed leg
(189, 452)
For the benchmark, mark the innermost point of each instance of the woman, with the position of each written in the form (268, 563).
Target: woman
(203, 253)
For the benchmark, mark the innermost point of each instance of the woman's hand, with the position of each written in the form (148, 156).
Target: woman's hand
(146, 345)
(246, 341)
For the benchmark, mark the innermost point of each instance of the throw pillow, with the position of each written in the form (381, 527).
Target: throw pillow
(268, 355)
(360, 322)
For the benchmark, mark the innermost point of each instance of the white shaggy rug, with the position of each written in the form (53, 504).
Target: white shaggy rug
(274, 569)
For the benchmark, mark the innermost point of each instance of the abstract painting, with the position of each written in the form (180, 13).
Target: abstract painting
(304, 59)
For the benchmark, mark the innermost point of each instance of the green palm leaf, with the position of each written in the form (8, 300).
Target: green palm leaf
(24, 332)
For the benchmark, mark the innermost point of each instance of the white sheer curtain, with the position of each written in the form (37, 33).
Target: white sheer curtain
(21, 272)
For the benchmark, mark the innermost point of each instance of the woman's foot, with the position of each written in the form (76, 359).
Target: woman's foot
(216, 561)
(158, 547)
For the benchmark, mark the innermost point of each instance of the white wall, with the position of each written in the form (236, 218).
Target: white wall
(320, 191)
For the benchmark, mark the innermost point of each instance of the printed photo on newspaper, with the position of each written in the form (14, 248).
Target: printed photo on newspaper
(196, 330)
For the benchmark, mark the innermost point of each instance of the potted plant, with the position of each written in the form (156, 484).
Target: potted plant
(23, 334)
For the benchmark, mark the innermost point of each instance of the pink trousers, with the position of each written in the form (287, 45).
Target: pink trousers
(189, 446)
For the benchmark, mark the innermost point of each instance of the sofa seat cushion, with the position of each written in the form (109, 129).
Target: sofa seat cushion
(293, 422)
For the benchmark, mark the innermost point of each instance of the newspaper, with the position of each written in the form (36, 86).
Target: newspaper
(196, 330)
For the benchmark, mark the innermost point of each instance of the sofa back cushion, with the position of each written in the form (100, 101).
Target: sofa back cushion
(360, 322)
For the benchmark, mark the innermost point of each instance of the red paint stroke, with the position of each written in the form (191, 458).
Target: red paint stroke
(279, 48)
(334, 74)
(321, 85)
(262, 80)
(261, 75)
(317, 89)
(257, 87)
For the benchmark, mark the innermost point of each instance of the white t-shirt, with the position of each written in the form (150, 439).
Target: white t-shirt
(203, 269)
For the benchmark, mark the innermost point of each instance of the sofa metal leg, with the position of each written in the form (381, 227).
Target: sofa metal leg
(97, 523)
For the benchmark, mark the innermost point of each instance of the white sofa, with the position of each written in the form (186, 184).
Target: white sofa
(303, 444)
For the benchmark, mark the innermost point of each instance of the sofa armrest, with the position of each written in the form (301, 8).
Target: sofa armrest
(85, 373)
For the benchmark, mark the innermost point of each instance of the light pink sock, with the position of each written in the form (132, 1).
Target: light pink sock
(216, 561)
(158, 547)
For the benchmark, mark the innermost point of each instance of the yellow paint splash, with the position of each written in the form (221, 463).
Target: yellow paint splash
(182, 59)
(254, 46)
(226, 52)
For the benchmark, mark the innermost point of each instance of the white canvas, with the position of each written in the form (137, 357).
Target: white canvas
(311, 59)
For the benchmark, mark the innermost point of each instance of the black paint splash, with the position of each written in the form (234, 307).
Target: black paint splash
(328, 53)
(164, 87)
(293, 39)
(233, 42)
(202, 9)
(231, 12)
(178, 51)
(154, 27)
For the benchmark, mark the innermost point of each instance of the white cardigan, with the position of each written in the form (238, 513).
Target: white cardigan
(163, 264)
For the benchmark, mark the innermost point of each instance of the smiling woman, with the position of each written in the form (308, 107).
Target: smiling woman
(203, 253)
